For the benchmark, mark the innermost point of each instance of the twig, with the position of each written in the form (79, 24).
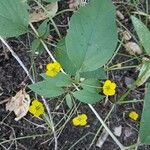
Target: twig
(52, 124)
(107, 129)
(17, 58)
(25, 69)
(4, 101)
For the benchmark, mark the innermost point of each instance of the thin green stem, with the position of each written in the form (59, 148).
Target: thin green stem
(24, 137)
(80, 140)
(121, 42)
(131, 101)
(120, 68)
(63, 11)
(112, 108)
(106, 128)
(51, 19)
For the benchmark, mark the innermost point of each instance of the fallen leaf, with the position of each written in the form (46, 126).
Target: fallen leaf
(144, 73)
(102, 138)
(127, 133)
(126, 35)
(39, 14)
(19, 104)
(132, 48)
(118, 130)
(120, 15)
(75, 4)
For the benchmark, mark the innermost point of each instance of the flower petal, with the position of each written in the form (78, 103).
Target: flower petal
(57, 66)
(35, 102)
(109, 92)
(113, 85)
(107, 83)
(32, 109)
(49, 66)
(51, 73)
(83, 116)
(76, 121)
(133, 115)
(83, 123)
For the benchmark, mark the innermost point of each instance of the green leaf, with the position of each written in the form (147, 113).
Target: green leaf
(63, 59)
(143, 33)
(87, 97)
(144, 73)
(97, 74)
(43, 29)
(61, 80)
(14, 18)
(35, 45)
(91, 85)
(92, 36)
(69, 101)
(145, 121)
(46, 89)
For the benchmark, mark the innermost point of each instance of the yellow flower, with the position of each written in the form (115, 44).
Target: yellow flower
(36, 108)
(52, 69)
(80, 120)
(133, 115)
(109, 88)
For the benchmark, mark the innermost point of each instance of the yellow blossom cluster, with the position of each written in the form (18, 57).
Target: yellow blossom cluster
(52, 69)
(80, 120)
(37, 108)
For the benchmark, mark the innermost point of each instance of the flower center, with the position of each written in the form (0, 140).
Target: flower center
(37, 107)
(108, 87)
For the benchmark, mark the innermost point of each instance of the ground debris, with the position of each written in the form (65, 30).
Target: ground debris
(19, 104)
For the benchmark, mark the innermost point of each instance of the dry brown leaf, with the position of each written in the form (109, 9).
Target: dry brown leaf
(19, 104)
(75, 4)
(120, 15)
(118, 131)
(126, 36)
(132, 48)
(38, 14)
(102, 138)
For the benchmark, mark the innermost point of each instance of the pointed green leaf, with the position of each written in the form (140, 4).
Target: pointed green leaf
(46, 89)
(69, 101)
(61, 80)
(92, 36)
(91, 85)
(97, 74)
(145, 121)
(144, 73)
(43, 29)
(62, 57)
(143, 33)
(35, 45)
(14, 18)
(87, 97)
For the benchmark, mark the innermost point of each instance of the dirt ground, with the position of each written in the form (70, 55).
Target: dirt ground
(13, 78)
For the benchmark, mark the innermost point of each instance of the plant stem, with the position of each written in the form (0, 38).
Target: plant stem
(101, 126)
(51, 123)
(106, 127)
(63, 11)
(24, 137)
(119, 68)
(132, 101)
(51, 19)
(17, 58)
